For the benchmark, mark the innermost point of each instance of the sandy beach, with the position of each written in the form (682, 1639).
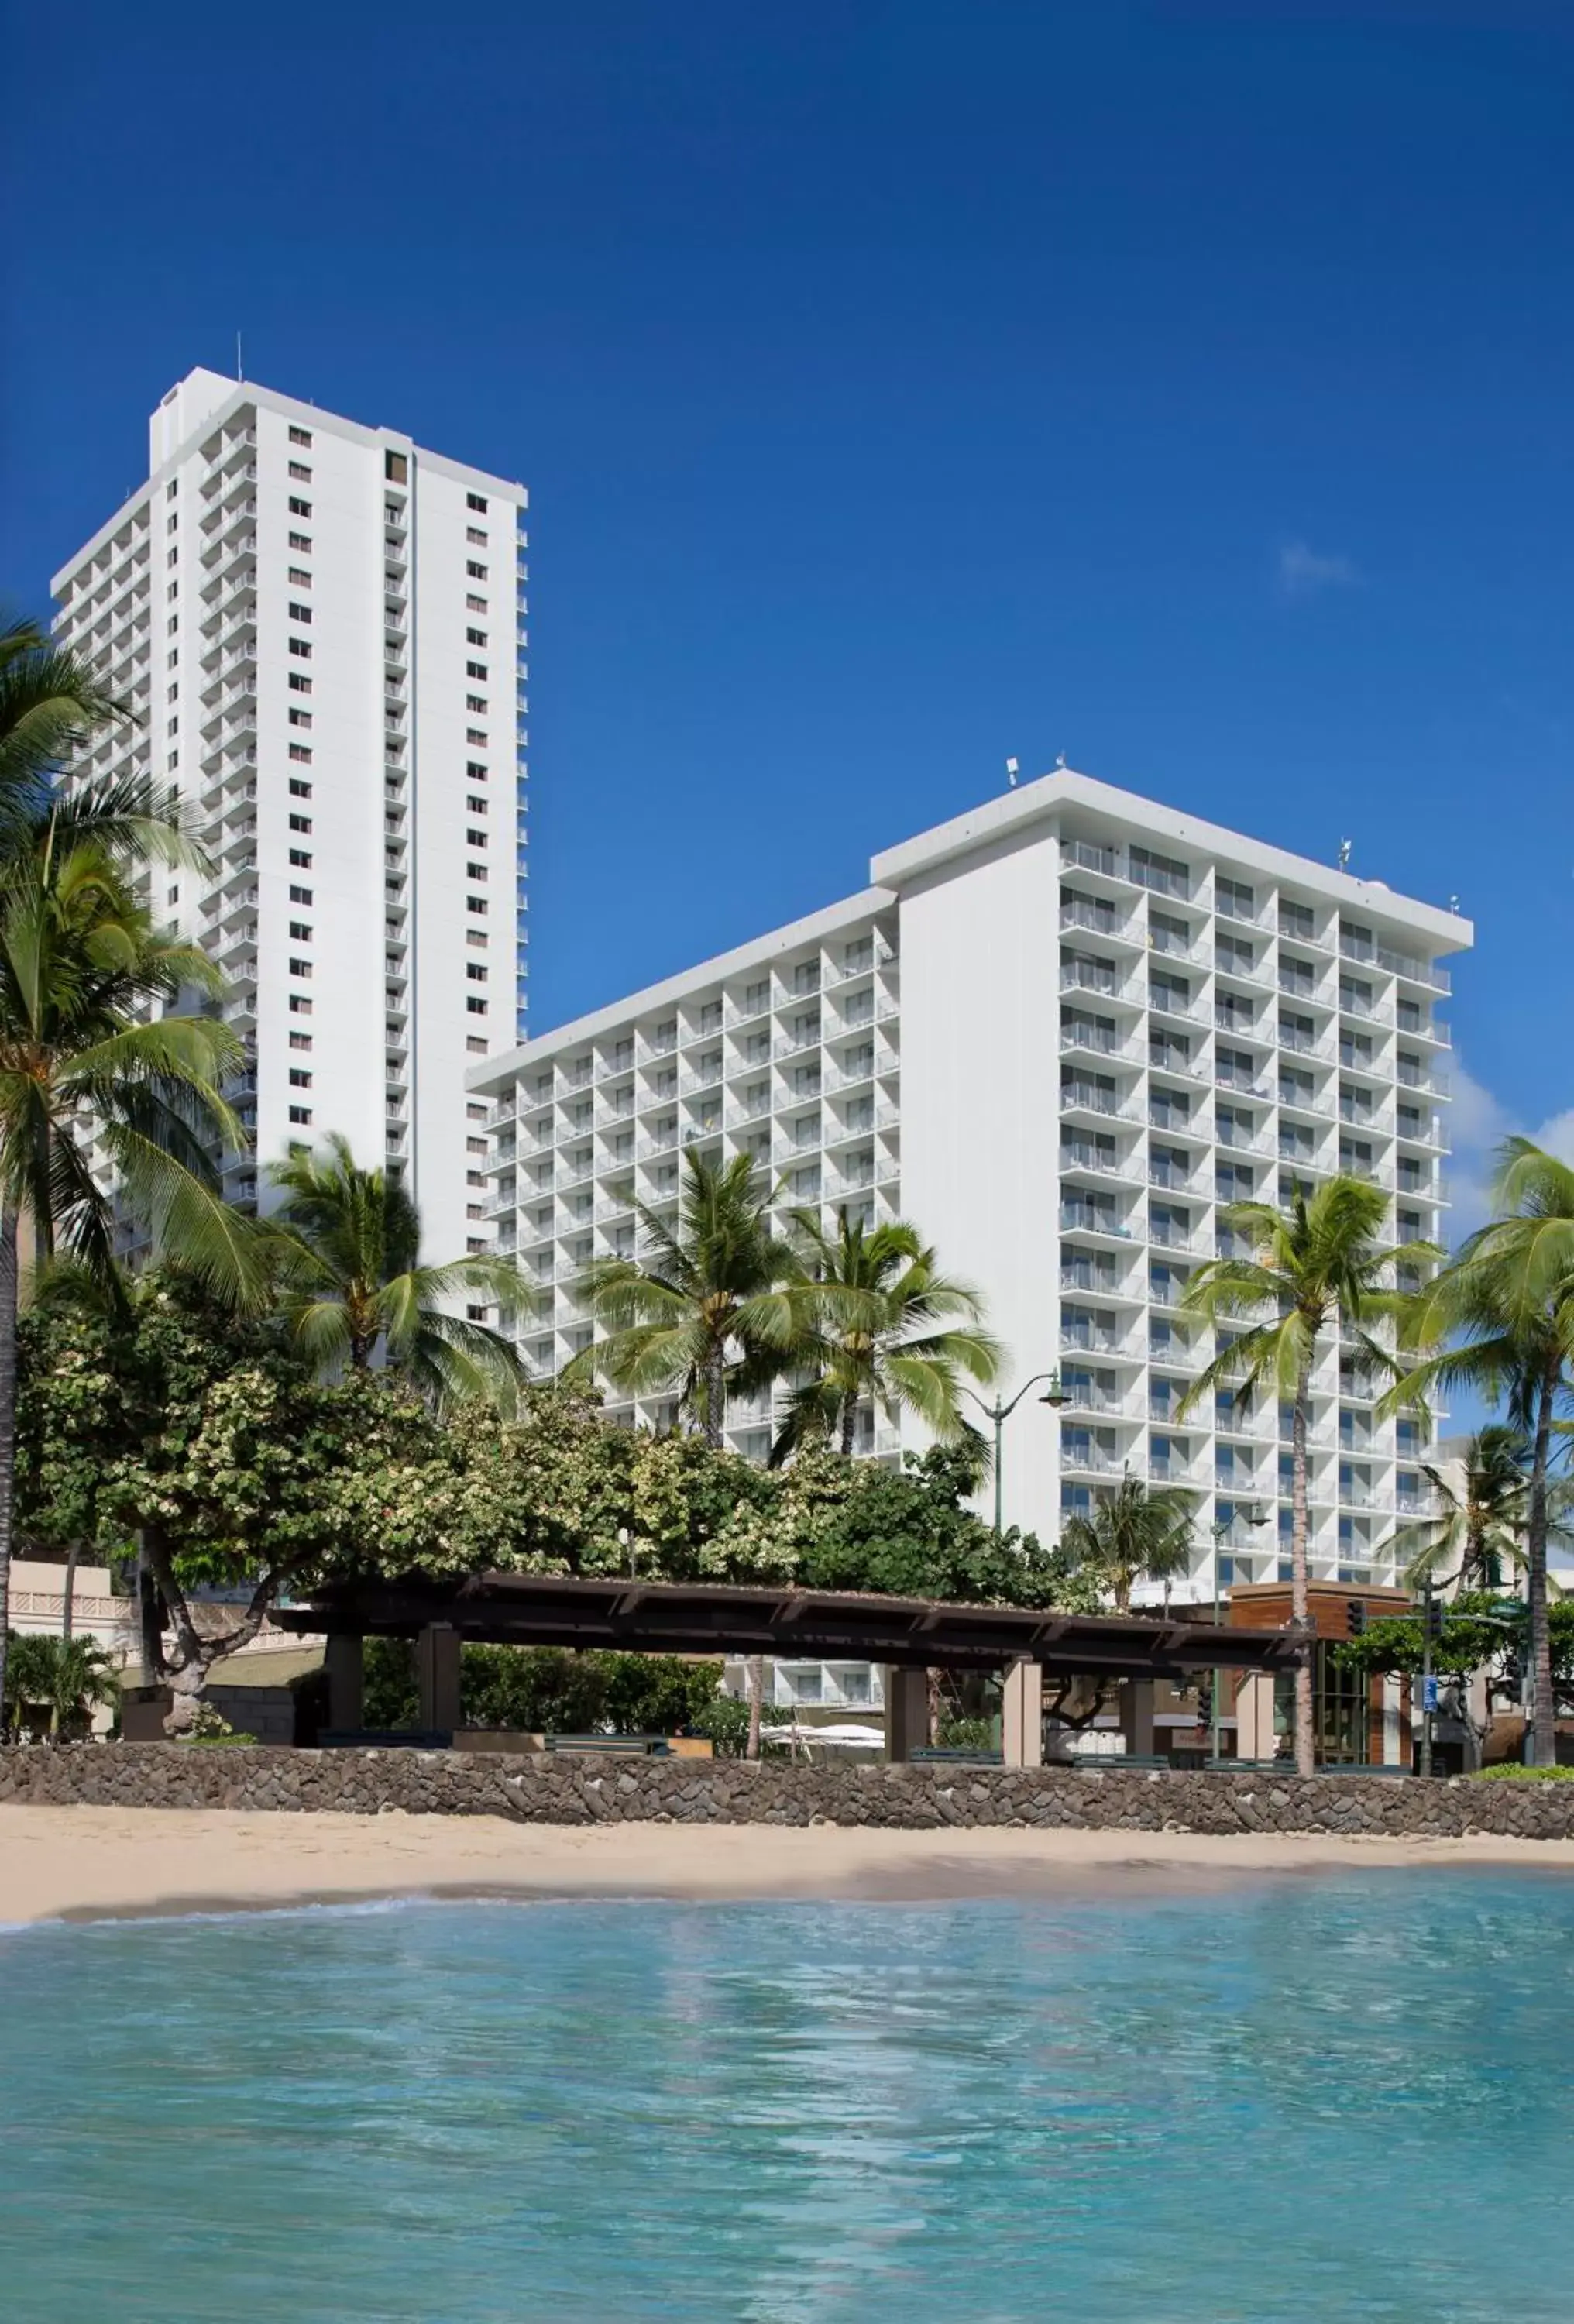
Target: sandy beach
(88, 1863)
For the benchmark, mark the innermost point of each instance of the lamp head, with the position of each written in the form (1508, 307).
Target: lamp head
(1053, 1394)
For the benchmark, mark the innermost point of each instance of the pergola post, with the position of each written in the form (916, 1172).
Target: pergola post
(1136, 1718)
(1254, 1716)
(344, 1661)
(907, 1693)
(1022, 1715)
(437, 1672)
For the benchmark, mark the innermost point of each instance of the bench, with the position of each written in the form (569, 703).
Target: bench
(622, 1746)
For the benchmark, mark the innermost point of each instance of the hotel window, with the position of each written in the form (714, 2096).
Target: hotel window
(475, 904)
(299, 751)
(476, 637)
(474, 501)
(476, 572)
(473, 702)
(475, 669)
(299, 859)
(477, 976)
(300, 1004)
(477, 538)
(299, 717)
(301, 1113)
(298, 682)
(299, 435)
(300, 473)
(476, 605)
(476, 774)
(300, 578)
(476, 805)
(301, 647)
(300, 895)
(300, 823)
(300, 1040)
(475, 839)
(299, 508)
(299, 1078)
(300, 968)
(299, 932)
(475, 737)
(396, 467)
(476, 872)
(302, 541)
(298, 790)
(299, 612)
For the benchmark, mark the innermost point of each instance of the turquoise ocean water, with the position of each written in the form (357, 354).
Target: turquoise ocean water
(1349, 2098)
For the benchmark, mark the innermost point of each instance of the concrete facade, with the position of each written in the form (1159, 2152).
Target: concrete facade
(320, 627)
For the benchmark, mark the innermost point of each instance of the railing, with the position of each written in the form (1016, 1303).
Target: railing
(1081, 1220)
(1091, 1458)
(1095, 1040)
(1083, 976)
(1174, 1004)
(1164, 1060)
(1109, 923)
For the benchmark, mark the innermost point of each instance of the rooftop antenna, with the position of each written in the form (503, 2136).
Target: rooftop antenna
(1453, 903)
(1345, 846)
(1012, 771)
(240, 373)
(1060, 760)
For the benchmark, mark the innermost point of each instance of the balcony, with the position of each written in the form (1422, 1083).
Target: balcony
(1077, 1219)
(1088, 1460)
(1102, 984)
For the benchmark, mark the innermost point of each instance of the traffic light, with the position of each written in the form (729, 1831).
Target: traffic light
(1433, 1618)
(1355, 1613)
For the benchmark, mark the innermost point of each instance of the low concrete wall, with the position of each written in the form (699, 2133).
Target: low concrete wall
(539, 1789)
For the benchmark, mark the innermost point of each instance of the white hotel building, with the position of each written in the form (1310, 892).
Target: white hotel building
(1057, 1034)
(320, 629)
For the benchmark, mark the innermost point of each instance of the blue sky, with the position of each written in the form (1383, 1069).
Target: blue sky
(1187, 389)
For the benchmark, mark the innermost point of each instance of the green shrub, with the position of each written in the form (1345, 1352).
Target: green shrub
(725, 1720)
(548, 1689)
(1512, 1772)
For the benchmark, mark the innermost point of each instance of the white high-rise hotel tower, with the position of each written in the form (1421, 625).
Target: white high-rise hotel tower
(1057, 1034)
(320, 629)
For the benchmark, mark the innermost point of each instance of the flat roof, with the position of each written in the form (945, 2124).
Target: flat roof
(1014, 814)
(542, 1609)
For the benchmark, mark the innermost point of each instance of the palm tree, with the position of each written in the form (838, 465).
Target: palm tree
(348, 1244)
(1476, 1529)
(83, 1065)
(714, 1308)
(1311, 1265)
(1507, 1301)
(68, 1677)
(1136, 1533)
(886, 1329)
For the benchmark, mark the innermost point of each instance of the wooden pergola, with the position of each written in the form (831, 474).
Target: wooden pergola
(907, 1635)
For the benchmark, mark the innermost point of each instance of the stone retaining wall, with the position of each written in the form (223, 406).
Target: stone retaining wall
(543, 1789)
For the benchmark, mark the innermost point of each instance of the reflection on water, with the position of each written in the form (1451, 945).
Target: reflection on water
(1336, 2100)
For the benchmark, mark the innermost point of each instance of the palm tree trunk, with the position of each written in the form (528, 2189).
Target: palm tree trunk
(1300, 1610)
(849, 1420)
(7, 1429)
(1541, 1741)
(72, 1554)
(755, 1668)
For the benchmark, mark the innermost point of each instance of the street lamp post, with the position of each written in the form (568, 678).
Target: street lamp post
(1000, 1414)
(1254, 1516)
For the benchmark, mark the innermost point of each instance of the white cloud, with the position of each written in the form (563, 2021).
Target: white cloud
(1477, 1123)
(1303, 572)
